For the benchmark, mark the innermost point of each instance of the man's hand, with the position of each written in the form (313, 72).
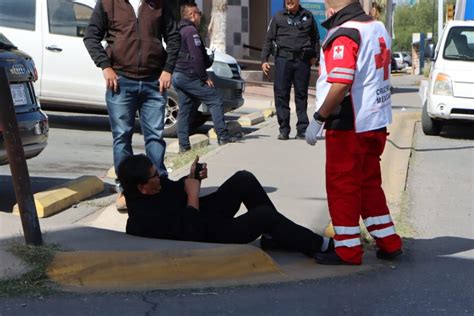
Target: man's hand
(111, 79)
(192, 171)
(266, 69)
(210, 83)
(313, 61)
(313, 131)
(165, 81)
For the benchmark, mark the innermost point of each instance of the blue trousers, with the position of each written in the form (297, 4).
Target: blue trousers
(191, 93)
(142, 96)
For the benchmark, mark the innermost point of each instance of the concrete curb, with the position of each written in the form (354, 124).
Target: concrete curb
(140, 270)
(61, 197)
(251, 119)
(196, 140)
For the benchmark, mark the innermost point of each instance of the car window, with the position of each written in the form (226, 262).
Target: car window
(18, 14)
(68, 18)
(460, 44)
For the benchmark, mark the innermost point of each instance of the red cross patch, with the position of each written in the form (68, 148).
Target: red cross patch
(338, 52)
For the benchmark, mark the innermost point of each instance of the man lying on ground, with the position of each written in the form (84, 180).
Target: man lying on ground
(162, 208)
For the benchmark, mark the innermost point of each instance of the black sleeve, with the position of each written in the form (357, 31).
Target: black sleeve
(95, 33)
(270, 39)
(315, 41)
(172, 39)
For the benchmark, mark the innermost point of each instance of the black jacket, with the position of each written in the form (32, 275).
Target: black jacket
(292, 33)
(193, 59)
(134, 45)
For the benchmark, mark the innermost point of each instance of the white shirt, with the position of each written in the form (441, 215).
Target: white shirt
(136, 5)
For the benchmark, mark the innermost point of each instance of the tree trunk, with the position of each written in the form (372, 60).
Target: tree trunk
(217, 25)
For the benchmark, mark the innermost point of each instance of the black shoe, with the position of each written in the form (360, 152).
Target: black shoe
(183, 149)
(330, 246)
(330, 258)
(300, 136)
(227, 140)
(283, 136)
(388, 255)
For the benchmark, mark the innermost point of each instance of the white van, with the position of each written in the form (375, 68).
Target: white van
(448, 94)
(51, 31)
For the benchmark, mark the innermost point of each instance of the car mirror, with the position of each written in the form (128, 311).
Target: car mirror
(429, 51)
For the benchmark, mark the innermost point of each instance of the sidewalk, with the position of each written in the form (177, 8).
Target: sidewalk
(101, 257)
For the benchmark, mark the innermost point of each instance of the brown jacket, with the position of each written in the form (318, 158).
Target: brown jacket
(135, 46)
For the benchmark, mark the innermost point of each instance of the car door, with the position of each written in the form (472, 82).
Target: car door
(20, 21)
(69, 75)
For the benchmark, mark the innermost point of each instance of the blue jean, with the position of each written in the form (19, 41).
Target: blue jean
(191, 93)
(142, 95)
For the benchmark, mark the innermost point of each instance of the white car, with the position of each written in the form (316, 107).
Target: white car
(51, 31)
(400, 59)
(448, 94)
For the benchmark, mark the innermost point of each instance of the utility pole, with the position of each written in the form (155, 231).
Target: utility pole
(18, 166)
(389, 17)
(440, 17)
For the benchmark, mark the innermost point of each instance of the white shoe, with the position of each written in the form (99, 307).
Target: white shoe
(120, 204)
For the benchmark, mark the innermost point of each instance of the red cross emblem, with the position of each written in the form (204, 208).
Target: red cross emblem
(338, 49)
(383, 59)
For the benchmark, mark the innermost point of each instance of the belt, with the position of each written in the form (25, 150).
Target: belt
(291, 55)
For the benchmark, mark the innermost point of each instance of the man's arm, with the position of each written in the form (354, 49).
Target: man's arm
(94, 35)
(315, 42)
(172, 39)
(192, 188)
(270, 38)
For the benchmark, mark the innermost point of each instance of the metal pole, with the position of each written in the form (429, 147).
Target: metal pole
(18, 166)
(388, 15)
(440, 17)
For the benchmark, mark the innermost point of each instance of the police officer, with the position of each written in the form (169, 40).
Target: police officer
(191, 82)
(294, 35)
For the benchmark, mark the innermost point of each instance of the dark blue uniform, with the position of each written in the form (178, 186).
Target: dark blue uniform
(189, 80)
(296, 39)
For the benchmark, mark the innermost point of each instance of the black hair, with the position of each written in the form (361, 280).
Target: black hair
(132, 171)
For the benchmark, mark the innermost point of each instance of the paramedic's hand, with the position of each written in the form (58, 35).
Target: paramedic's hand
(266, 69)
(165, 81)
(313, 131)
(111, 79)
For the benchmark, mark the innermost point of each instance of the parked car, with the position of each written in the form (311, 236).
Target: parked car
(401, 63)
(448, 94)
(407, 58)
(52, 32)
(32, 122)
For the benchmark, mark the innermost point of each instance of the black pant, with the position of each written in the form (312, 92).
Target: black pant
(289, 72)
(220, 207)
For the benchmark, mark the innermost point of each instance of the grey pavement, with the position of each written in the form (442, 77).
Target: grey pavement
(291, 172)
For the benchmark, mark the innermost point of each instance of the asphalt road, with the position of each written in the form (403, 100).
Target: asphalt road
(434, 276)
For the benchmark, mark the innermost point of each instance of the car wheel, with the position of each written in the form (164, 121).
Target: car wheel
(171, 115)
(430, 126)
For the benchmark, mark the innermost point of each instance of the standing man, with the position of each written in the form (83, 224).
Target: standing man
(191, 80)
(294, 34)
(137, 71)
(353, 102)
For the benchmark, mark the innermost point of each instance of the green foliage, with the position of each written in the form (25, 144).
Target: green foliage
(421, 17)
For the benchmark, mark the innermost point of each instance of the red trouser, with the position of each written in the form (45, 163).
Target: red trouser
(354, 189)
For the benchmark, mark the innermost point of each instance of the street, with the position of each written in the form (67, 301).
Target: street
(433, 277)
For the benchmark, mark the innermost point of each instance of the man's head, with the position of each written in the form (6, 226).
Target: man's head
(190, 12)
(332, 6)
(292, 5)
(137, 175)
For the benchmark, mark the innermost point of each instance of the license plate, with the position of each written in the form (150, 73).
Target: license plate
(18, 94)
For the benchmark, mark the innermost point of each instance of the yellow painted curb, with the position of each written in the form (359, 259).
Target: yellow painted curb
(111, 173)
(269, 112)
(115, 270)
(251, 119)
(61, 197)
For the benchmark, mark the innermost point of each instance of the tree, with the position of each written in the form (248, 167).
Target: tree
(217, 25)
